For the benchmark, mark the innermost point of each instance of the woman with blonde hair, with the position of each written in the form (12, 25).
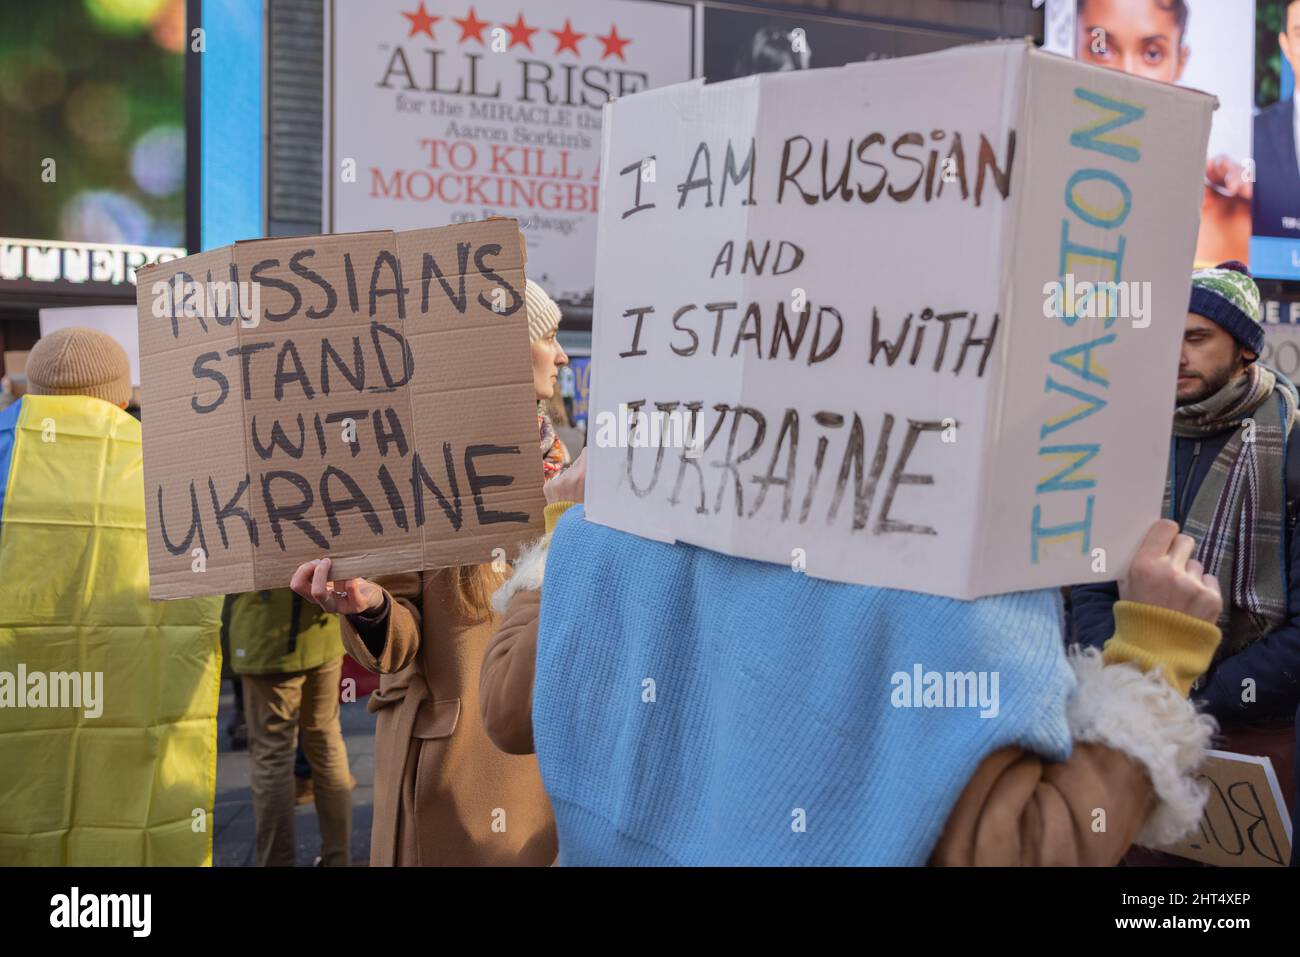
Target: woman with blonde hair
(444, 794)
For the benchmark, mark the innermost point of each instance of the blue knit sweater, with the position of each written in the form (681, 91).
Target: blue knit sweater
(695, 708)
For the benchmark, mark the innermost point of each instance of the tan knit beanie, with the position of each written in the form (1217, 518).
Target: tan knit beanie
(75, 361)
(543, 314)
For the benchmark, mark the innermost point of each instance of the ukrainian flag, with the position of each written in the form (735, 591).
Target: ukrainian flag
(134, 784)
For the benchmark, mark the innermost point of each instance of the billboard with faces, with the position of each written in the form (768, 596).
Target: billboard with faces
(1206, 45)
(1275, 245)
(743, 40)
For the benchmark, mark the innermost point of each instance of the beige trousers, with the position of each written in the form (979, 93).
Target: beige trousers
(277, 707)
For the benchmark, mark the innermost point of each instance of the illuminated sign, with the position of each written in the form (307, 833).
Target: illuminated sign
(49, 261)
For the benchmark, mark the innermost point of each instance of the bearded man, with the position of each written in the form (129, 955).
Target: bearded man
(1233, 485)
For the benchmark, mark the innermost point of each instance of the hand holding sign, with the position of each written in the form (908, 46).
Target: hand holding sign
(347, 596)
(570, 485)
(1163, 573)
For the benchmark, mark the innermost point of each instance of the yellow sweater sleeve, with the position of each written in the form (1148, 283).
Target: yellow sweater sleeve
(552, 514)
(1150, 636)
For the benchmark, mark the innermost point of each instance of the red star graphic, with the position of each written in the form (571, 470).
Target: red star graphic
(471, 27)
(421, 22)
(568, 38)
(520, 32)
(614, 44)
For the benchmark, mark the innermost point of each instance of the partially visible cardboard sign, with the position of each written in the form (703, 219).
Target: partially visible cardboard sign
(1246, 823)
(367, 396)
(15, 371)
(912, 323)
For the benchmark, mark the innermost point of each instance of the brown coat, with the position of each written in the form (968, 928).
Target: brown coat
(444, 794)
(1017, 809)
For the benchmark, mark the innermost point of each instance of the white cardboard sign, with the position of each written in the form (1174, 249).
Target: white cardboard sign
(836, 284)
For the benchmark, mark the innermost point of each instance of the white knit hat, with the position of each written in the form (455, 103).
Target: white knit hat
(543, 314)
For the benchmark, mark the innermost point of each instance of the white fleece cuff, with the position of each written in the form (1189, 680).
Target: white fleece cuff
(529, 571)
(1140, 714)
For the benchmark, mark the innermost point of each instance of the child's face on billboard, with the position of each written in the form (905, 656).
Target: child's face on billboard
(1136, 36)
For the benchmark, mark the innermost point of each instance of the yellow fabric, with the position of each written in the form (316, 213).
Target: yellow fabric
(123, 788)
(1149, 637)
(551, 514)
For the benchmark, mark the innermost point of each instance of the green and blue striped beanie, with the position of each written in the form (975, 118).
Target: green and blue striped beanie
(1226, 295)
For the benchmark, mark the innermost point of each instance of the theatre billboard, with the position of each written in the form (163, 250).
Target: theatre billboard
(443, 113)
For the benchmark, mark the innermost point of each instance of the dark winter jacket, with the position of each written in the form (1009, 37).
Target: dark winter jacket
(1273, 662)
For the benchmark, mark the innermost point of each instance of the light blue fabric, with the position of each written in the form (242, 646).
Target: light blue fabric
(8, 423)
(773, 706)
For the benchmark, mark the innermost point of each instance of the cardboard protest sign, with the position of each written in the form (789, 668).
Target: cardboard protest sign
(1246, 823)
(366, 396)
(856, 321)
